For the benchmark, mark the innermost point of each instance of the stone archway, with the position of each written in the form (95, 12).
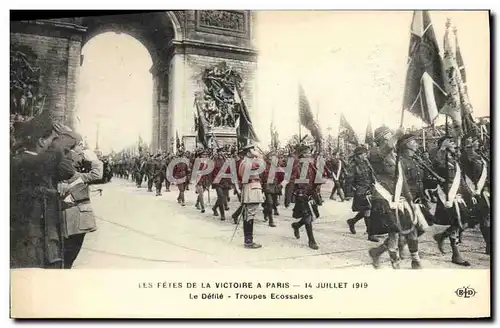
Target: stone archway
(182, 44)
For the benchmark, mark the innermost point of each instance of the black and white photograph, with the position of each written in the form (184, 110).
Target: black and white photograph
(347, 142)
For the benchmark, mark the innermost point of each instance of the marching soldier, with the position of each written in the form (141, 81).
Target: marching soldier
(306, 198)
(453, 196)
(476, 177)
(362, 185)
(148, 171)
(251, 193)
(137, 168)
(159, 172)
(271, 190)
(337, 169)
(221, 187)
(202, 182)
(167, 162)
(181, 171)
(239, 158)
(390, 213)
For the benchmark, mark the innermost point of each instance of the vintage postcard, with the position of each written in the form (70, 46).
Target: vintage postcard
(250, 164)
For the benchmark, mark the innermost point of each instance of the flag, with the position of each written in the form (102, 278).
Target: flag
(244, 127)
(201, 126)
(424, 94)
(369, 134)
(306, 116)
(468, 124)
(346, 132)
(453, 105)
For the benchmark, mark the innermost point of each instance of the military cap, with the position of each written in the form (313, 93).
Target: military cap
(469, 135)
(303, 148)
(381, 132)
(360, 150)
(405, 139)
(443, 139)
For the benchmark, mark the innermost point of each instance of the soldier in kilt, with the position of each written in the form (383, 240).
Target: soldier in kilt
(390, 213)
(270, 189)
(181, 173)
(362, 185)
(476, 178)
(306, 197)
(453, 196)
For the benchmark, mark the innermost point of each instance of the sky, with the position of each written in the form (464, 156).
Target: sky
(348, 62)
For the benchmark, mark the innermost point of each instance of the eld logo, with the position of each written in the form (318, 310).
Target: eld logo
(465, 292)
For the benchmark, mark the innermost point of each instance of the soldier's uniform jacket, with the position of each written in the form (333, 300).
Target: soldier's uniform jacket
(476, 169)
(334, 165)
(251, 192)
(202, 180)
(218, 165)
(305, 192)
(77, 210)
(149, 166)
(159, 168)
(275, 186)
(449, 173)
(362, 178)
(414, 175)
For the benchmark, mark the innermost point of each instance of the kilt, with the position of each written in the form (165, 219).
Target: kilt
(452, 216)
(361, 200)
(480, 213)
(383, 219)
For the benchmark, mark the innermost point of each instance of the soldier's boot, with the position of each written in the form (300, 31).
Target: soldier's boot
(271, 219)
(214, 209)
(310, 236)
(158, 191)
(183, 200)
(440, 238)
(197, 205)
(415, 261)
(459, 240)
(150, 185)
(276, 213)
(248, 232)
(394, 259)
(222, 213)
(401, 247)
(485, 231)
(372, 238)
(456, 256)
(376, 253)
(296, 228)
(351, 223)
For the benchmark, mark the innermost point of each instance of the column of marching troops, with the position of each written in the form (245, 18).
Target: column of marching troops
(447, 185)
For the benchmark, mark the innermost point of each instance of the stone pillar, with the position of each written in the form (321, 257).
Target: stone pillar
(156, 117)
(57, 45)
